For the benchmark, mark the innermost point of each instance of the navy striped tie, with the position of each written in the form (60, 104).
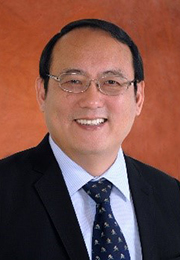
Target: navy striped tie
(108, 241)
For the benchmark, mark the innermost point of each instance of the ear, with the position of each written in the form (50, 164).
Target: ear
(40, 93)
(139, 97)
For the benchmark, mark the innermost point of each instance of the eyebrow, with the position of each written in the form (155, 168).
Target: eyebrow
(115, 72)
(71, 70)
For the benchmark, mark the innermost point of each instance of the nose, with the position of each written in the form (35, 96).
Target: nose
(92, 98)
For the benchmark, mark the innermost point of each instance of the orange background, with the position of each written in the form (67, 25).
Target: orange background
(27, 25)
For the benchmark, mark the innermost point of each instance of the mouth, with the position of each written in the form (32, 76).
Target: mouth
(91, 122)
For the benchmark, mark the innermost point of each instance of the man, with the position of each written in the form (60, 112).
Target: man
(90, 89)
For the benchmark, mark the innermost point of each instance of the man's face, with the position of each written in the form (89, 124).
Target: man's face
(73, 119)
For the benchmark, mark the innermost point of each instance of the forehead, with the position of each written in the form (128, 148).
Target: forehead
(91, 47)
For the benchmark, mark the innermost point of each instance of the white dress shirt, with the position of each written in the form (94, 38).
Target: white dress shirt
(121, 202)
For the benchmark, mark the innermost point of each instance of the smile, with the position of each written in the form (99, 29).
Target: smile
(97, 121)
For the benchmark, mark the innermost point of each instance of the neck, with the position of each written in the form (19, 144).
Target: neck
(94, 164)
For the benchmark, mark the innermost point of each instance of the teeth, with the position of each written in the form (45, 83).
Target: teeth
(97, 121)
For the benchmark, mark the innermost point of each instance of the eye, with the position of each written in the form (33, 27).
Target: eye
(71, 80)
(74, 81)
(111, 82)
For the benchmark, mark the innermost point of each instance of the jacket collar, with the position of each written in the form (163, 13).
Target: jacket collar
(55, 197)
(143, 199)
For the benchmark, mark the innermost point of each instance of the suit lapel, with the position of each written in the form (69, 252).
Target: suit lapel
(55, 197)
(143, 199)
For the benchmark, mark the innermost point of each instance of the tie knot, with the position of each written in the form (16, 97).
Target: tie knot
(99, 191)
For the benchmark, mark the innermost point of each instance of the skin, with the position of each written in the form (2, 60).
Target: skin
(94, 148)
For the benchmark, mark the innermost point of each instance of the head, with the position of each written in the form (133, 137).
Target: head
(111, 29)
(91, 125)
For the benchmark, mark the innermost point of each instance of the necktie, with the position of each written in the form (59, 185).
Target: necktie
(108, 241)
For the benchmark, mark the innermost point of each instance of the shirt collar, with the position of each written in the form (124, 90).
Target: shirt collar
(76, 177)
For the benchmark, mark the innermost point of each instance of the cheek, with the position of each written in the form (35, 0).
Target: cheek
(58, 110)
(123, 113)
(124, 107)
(52, 111)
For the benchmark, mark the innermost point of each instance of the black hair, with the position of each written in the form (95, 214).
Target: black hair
(112, 29)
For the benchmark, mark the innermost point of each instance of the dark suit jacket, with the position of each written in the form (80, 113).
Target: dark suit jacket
(38, 222)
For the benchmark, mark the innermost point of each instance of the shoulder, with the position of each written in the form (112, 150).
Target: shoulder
(24, 160)
(161, 182)
(15, 165)
(16, 158)
(23, 157)
(149, 172)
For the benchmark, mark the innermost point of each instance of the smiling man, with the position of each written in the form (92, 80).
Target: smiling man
(76, 195)
(90, 125)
